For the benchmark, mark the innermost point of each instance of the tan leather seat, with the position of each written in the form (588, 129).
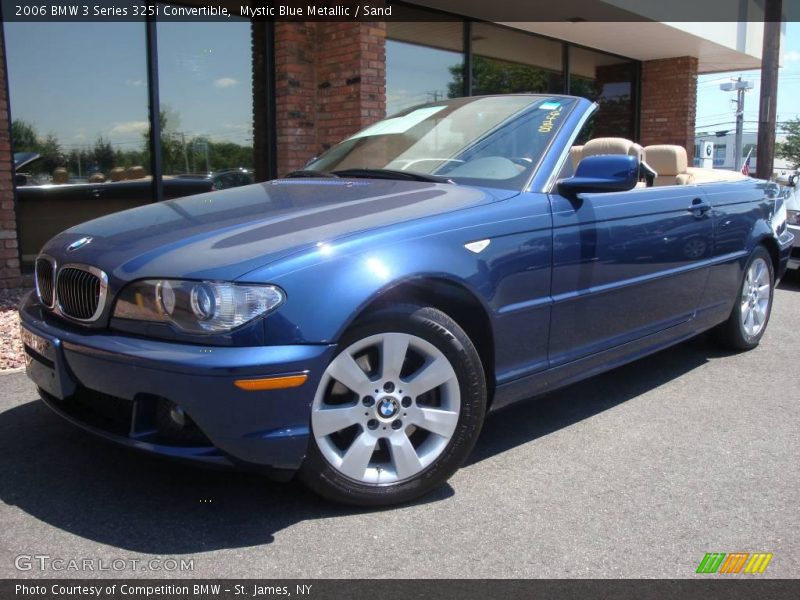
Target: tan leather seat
(671, 164)
(611, 145)
(575, 156)
(97, 178)
(136, 172)
(117, 174)
(60, 175)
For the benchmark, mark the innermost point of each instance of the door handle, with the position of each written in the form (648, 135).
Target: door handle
(699, 207)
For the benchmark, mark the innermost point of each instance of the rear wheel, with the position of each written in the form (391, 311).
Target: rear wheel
(748, 321)
(397, 410)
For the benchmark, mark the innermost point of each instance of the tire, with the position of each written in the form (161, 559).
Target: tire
(408, 416)
(751, 310)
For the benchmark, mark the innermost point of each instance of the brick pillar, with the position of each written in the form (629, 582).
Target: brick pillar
(669, 102)
(295, 94)
(351, 79)
(330, 82)
(10, 276)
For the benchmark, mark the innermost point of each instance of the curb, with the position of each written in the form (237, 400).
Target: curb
(10, 371)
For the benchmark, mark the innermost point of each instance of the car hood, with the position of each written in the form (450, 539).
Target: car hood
(225, 234)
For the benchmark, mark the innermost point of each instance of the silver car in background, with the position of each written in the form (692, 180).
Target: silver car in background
(793, 216)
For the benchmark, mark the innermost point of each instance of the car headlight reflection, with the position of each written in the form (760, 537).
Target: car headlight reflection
(196, 306)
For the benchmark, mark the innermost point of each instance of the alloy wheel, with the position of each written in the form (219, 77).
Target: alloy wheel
(386, 408)
(756, 292)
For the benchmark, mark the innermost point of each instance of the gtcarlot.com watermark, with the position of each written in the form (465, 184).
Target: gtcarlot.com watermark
(47, 563)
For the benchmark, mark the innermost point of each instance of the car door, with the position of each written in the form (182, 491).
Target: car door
(625, 265)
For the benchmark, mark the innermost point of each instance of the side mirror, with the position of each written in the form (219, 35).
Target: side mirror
(602, 173)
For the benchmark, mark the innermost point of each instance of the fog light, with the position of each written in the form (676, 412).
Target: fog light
(177, 415)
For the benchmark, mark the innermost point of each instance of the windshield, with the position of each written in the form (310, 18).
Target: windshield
(495, 141)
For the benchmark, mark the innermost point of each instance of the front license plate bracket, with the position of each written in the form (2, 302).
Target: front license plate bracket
(45, 365)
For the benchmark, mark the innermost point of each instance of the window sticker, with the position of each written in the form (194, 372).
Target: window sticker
(549, 105)
(399, 124)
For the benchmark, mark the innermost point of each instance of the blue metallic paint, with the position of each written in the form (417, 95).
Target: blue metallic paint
(571, 287)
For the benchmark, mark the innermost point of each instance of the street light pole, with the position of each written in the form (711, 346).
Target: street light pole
(741, 87)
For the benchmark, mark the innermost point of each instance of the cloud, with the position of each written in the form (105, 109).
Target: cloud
(129, 127)
(134, 82)
(791, 56)
(224, 82)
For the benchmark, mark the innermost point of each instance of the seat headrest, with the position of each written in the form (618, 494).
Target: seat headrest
(667, 159)
(611, 145)
(60, 175)
(136, 172)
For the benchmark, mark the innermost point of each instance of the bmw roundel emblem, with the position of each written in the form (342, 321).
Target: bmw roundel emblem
(387, 407)
(80, 243)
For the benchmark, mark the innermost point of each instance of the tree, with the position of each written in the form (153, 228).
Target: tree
(172, 157)
(50, 149)
(103, 155)
(790, 149)
(490, 76)
(23, 137)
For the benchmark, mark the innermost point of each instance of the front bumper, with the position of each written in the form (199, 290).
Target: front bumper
(117, 387)
(794, 258)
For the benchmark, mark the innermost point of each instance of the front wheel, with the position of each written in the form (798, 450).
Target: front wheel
(397, 410)
(751, 310)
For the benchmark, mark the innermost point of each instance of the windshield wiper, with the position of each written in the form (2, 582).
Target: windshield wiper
(391, 174)
(310, 173)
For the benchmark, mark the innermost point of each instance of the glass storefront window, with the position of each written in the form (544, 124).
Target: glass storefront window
(206, 94)
(609, 81)
(424, 62)
(505, 61)
(79, 123)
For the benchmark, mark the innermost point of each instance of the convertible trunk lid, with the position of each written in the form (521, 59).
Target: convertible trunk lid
(225, 234)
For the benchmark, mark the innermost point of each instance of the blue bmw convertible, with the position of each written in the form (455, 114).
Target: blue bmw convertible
(354, 322)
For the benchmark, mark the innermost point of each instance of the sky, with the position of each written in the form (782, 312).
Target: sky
(81, 80)
(715, 109)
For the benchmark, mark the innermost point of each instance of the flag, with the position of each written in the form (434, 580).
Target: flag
(746, 165)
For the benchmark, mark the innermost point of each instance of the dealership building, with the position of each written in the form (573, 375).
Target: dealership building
(105, 103)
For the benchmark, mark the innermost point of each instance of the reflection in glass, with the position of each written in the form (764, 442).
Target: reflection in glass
(424, 62)
(80, 124)
(205, 86)
(608, 80)
(506, 61)
(85, 114)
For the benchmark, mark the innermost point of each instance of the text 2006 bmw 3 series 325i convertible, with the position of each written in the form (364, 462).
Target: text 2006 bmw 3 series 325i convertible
(354, 322)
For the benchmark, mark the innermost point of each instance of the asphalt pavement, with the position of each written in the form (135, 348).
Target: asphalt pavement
(635, 473)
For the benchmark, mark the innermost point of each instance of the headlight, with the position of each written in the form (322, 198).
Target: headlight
(196, 306)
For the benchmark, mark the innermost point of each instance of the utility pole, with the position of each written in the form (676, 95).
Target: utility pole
(768, 106)
(435, 95)
(741, 87)
(185, 152)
